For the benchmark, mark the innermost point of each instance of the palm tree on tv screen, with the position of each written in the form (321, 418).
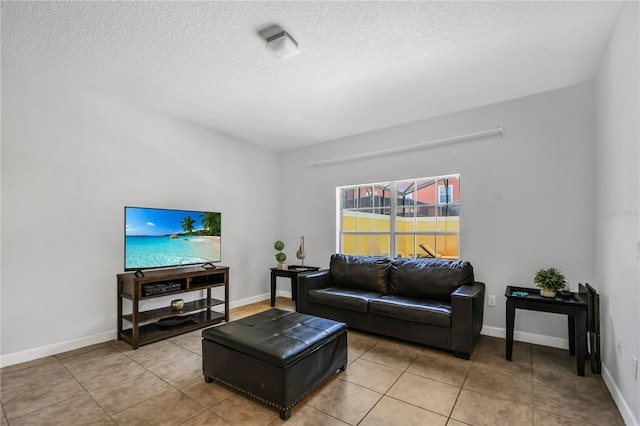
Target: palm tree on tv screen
(211, 222)
(187, 224)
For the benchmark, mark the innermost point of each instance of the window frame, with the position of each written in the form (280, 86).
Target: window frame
(391, 211)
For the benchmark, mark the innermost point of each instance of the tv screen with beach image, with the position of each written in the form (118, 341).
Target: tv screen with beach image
(157, 238)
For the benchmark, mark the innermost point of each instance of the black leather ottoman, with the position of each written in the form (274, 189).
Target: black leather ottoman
(277, 357)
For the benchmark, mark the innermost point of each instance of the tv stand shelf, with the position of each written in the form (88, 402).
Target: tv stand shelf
(151, 325)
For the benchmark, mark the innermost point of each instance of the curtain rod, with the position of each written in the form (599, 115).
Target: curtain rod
(476, 135)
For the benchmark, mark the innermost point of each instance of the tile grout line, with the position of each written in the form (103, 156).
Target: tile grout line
(170, 385)
(83, 387)
(151, 372)
(405, 370)
(131, 360)
(499, 397)
(4, 414)
(385, 392)
(532, 384)
(466, 376)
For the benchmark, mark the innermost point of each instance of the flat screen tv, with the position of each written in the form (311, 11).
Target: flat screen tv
(161, 238)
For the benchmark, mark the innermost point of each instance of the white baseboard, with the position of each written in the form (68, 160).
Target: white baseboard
(624, 408)
(523, 336)
(283, 293)
(56, 348)
(249, 300)
(259, 298)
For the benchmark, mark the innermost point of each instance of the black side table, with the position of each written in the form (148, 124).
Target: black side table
(292, 272)
(575, 307)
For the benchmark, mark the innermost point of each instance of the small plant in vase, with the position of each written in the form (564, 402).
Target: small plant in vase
(550, 281)
(281, 258)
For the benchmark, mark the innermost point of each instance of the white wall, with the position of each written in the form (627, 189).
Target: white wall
(527, 198)
(617, 219)
(70, 163)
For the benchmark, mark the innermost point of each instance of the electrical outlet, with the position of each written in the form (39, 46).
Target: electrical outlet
(491, 301)
(634, 368)
(619, 346)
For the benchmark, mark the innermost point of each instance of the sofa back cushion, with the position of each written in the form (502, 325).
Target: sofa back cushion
(432, 279)
(360, 272)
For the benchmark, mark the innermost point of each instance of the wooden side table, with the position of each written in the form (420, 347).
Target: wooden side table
(575, 307)
(292, 272)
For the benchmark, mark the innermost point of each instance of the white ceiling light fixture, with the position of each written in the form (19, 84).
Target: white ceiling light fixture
(283, 45)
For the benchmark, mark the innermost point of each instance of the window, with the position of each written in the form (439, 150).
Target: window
(409, 218)
(445, 197)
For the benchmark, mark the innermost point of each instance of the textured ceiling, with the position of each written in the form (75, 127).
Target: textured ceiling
(363, 65)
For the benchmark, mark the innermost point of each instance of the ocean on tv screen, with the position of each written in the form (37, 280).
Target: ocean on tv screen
(158, 251)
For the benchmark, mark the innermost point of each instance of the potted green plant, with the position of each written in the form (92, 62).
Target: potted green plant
(549, 280)
(280, 256)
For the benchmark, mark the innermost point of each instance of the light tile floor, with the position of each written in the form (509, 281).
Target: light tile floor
(387, 382)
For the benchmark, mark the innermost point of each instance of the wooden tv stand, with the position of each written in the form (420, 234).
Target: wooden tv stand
(144, 324)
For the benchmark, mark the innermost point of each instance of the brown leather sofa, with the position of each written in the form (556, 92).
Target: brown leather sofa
(433, 302)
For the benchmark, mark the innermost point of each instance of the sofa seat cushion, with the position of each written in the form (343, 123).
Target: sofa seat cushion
(416, 310)
(341, 297)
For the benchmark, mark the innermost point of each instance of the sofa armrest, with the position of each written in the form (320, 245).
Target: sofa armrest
(467, 310)
(475, 290)
(311, 281)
